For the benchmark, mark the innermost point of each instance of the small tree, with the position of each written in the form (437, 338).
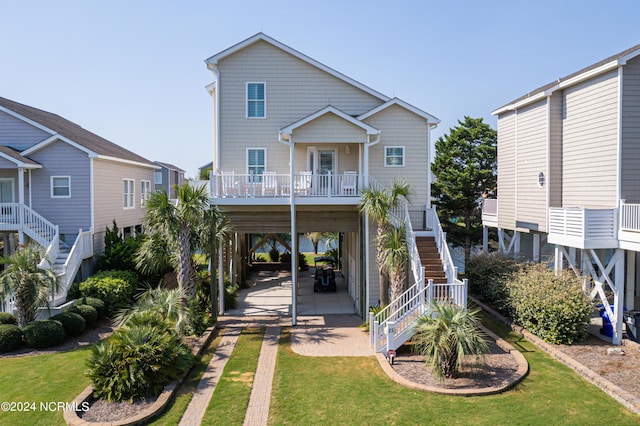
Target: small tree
(445, 334)
(395, 255)
(315, 238)
(30, 284)
(465, 171)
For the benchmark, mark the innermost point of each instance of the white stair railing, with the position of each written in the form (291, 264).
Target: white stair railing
(391, 327)
(81, 249)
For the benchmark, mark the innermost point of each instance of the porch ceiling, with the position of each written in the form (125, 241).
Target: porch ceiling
(308, 219)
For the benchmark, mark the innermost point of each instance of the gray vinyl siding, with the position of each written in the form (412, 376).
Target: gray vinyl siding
(630, 179)
(165, 181)
(108, 201)
(506, 170)
(554, 177)
(18, 134)
(294, 90)
(590, 143)
(400, 127)
(531, 200)
(70, 214)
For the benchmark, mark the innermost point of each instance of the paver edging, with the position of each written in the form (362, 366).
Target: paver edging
(623, 397)
(71, 418)
(521, 372)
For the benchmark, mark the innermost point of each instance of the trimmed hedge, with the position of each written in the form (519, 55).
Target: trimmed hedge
(87, 312)
(43, 333)
(7, 318)
(115, 288)
(488, 275)
(10, 337)
(553, 307)
(72, 323)
(94, 302)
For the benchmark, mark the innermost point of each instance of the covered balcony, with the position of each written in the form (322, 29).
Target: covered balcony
(272, 188)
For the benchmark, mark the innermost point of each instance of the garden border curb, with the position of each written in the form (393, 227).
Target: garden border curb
(517, 377)
(71, 418)
(623, 397)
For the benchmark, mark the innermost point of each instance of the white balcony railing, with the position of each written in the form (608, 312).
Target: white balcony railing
(268, 185)
(629, 217)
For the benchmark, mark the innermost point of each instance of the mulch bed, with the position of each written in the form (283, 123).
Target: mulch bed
(498, 367)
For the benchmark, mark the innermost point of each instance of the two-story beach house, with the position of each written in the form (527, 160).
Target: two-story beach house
(295, 142)
(61, 186)
(569, 179)
(167, 177)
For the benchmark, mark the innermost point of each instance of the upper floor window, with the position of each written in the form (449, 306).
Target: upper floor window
(158, 177)
(60, 187)
(256, 100)
(145, 190)
(127, 193)
(256, 163)
(394, 156)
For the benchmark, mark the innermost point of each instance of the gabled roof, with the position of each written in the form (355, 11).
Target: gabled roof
(63, 129)
(329, 110)
(213, 60)
(206, 166)
(605, 65)
(169, 166)
(14, 156)
(395, 101)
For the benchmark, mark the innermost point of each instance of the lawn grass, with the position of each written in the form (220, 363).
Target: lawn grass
(177, 407)
(42, 378)
(229, 402)
(355, 391)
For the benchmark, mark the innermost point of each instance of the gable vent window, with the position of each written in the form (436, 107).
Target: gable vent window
(256, 104)
(541, 180)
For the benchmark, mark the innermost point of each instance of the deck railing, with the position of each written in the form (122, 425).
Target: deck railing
(629, 217)
(268, 185)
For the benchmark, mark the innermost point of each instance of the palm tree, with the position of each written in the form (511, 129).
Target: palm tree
(377, 203)
(175, 231)
(165, 303)
(395, 256)
(31, 285)
(445, 334)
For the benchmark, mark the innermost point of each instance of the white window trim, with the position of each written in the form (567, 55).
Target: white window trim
(59, 177)
(144, 195)
(155, 177)
(13, 188)
(246, 156)
(386, 156)
(131, 196)
(246, 100)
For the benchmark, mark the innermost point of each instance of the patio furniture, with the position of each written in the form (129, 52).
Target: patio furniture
(303, 182)
(349, 183)
(229, 184)
(269, 183)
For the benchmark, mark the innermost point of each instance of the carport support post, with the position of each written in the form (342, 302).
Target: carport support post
(294, 239)
(221, 278)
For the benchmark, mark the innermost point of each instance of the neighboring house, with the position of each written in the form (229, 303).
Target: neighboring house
(61, 186)
(569, 178)
(205, 167)
(295, 143)
(167, 177)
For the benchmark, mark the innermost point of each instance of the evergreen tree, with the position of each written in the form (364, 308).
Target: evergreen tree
(465, 171)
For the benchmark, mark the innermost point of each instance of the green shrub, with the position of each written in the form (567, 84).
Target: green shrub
(487, 274)
(72, 323)
(230, 295)
(7, 318)
(43, 333)
(10, 337)
(274, 254)
(94, 302)
(119, 251)
(137, 361)
(553, 307)
(115, 288)
(89, 313)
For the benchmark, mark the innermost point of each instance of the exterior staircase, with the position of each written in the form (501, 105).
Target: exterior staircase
(430, 258)
(435, 281)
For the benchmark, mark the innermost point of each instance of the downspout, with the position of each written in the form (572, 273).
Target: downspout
(375, 141)
(430, 157)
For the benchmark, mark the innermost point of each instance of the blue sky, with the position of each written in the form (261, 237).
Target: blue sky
(133, 71)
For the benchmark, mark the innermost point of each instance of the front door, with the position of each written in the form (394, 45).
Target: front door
(326, 169)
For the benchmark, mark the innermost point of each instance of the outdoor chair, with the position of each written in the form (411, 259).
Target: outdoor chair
(303, 182)
(229, 184)
(349, 183)
(269, 183)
